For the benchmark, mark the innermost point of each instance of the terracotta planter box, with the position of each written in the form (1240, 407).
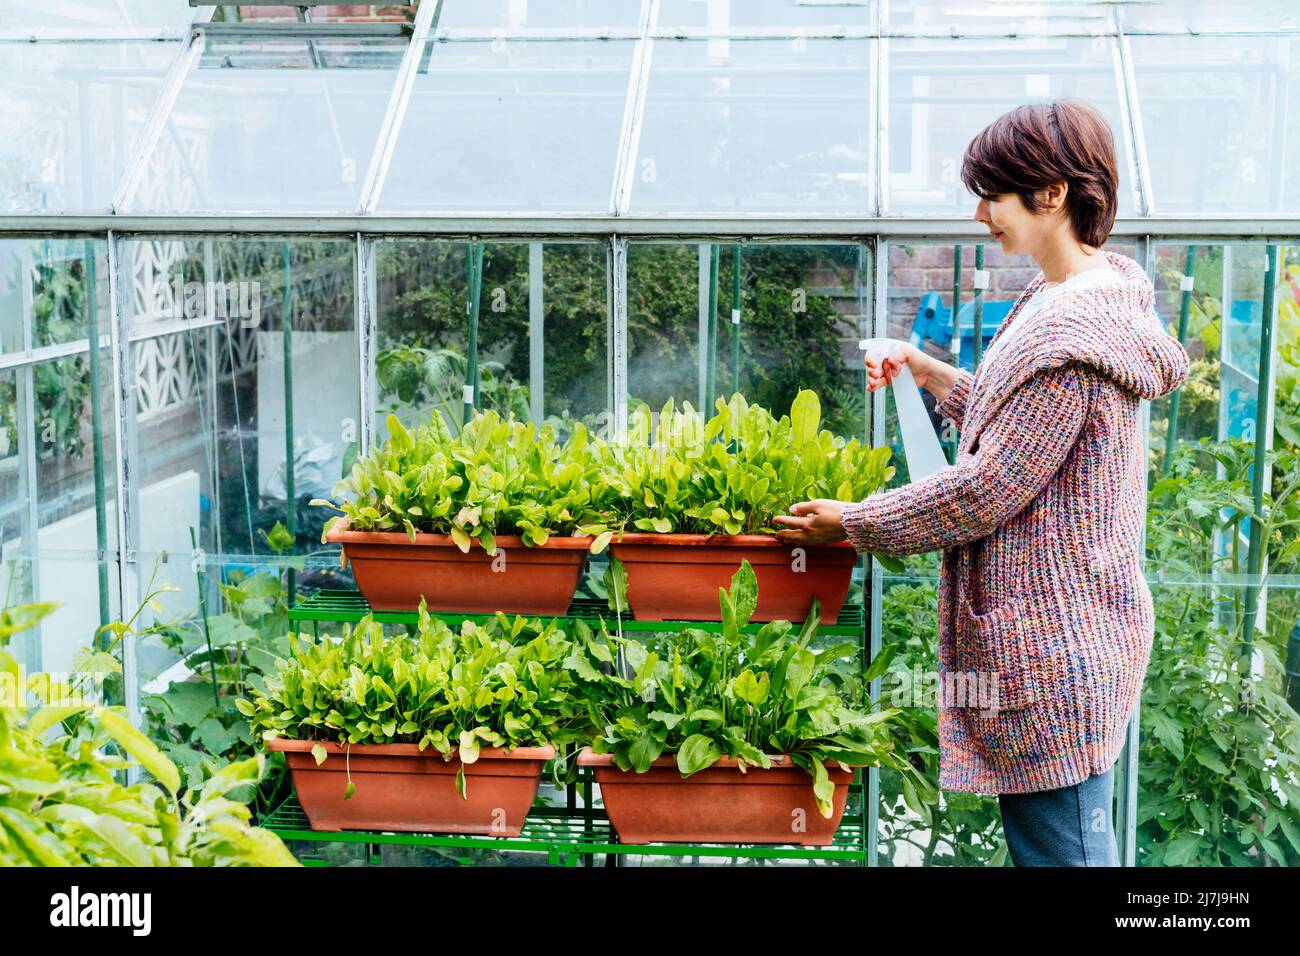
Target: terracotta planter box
(393, 572)
(400, 788)
(677, 576)
(716, 805)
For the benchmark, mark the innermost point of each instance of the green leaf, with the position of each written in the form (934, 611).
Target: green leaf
(805, 417)
(1182, 851)
(141, 748)
(616, 585)
(644, 751)
(189, 702)
(14, 620)
(823, 789)
(1210, 760)
(279, 539)
(751, 689)
(697, 752)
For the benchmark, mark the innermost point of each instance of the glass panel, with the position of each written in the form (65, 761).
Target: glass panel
(514, 127)
(943, 92)
(215, 406)
(755, 126)
(55, 442)
(83, 17)
(745, 15)
(70, 118)
(1193, 710)
(1228, 96)
(1199, 16)
(236, 135)
(43, 291)
(542, 313)
(965, 829)
(324, 13)
(1020, 18)
(803, 308)
(554, 15)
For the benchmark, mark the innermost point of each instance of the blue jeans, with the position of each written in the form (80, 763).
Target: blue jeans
(1071, 826)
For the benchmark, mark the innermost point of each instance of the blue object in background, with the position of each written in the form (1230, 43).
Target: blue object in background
(933, 323)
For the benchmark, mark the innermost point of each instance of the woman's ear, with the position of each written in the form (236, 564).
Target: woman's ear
(1052, 196)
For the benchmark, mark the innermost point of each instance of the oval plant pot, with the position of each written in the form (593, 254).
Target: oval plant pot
(393, 572)
(677, 576)
(400, 788)
(718, 804)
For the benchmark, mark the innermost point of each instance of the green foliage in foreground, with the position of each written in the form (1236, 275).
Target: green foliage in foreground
(499, 684)
(61, 805)
(702, 695)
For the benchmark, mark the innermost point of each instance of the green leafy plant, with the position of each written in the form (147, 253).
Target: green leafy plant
(498, 684)
(493, 477)
(61, 804)
(1219, 766)
(736, 471)
(421, 378)
(958, 829)
(228, 655)
(701, 695)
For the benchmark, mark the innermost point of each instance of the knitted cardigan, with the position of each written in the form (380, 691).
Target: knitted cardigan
(1045, 617)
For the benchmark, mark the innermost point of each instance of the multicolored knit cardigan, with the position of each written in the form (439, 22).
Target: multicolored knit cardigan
(1045, 617)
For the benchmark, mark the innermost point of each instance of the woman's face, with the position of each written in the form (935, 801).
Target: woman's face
(1009, 222)
(1017, 229)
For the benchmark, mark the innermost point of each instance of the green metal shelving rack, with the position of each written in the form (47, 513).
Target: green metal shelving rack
(572, 835)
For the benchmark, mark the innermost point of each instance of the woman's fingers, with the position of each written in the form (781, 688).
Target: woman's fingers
(791, 521)
(881, 373)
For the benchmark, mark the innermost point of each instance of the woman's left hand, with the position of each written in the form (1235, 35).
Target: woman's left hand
(813, 522)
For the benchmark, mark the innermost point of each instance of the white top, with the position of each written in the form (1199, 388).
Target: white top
(1089, 278)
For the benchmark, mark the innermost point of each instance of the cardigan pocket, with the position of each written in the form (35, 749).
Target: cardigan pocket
(1000, 654)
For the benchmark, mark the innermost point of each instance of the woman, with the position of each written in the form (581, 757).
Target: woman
(1041, 594)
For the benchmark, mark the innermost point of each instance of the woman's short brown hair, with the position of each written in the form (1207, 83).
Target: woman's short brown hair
(1038, 144)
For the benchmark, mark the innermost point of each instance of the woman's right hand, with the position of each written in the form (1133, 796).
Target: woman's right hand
(883, 373)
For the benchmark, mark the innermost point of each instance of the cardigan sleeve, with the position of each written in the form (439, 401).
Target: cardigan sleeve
(954, 406)
(1015, 456)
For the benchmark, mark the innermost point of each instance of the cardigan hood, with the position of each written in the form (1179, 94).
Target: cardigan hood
(1113, 328)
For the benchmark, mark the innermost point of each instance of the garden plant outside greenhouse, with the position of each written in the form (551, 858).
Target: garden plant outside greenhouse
(525, 286)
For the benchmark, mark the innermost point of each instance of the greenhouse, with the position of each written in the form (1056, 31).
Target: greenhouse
(315, 319)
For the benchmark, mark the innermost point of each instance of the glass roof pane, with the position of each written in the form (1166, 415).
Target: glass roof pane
(86, 16)
(942, 92)
(1203, 15)
(744, 15)
(333, 13)
(1217, 113)
(511, 15)
(522, 126)
(285, 125)
(1022, 17)
(755, 126)
(70, 116)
